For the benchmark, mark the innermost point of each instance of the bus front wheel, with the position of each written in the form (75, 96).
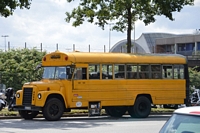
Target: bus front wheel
(141, 108)
(28, 115)
(53, 109)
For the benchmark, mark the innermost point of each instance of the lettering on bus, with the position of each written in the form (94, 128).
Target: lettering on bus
(56, 56)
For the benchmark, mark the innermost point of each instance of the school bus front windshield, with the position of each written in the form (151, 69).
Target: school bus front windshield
(56, 73)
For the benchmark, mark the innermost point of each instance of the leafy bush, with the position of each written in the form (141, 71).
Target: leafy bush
(194, 77)
(17, 66)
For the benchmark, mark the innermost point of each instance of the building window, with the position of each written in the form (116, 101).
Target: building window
(189, 46)
(198, 45)
(181, 47)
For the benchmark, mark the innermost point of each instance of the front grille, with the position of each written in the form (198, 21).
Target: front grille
(27, 96)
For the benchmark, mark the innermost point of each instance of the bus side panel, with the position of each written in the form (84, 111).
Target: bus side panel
(109, 92)
(169, 91)
(124, 92)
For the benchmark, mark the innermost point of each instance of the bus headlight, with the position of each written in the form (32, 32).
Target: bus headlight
(39, 96)
(17, 95)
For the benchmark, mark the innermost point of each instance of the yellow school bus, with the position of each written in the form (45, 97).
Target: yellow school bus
(116, 82)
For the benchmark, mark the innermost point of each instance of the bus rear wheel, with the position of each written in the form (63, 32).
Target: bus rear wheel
(141, 108)
(53, 109)
(117, 111)
(28, 115)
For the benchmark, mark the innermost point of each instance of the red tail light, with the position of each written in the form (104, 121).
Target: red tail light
(66, 57)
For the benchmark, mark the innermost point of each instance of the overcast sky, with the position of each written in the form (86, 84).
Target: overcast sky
(45, 23)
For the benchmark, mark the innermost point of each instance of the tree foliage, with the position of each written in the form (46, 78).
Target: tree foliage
(123, 13)
(194, 77)
(7, 7)
(17, 67)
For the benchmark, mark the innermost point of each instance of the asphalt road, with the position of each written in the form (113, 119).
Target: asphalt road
(102, 124)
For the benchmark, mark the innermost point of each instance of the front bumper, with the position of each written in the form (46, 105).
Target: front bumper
(31, 108)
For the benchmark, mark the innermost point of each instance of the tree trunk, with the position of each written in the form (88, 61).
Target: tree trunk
(129, 31)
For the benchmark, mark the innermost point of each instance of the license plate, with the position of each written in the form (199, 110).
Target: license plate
(28, 108)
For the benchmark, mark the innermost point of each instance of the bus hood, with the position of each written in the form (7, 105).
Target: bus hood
(44, 85)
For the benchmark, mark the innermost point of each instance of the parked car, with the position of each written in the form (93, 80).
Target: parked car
(183, 120)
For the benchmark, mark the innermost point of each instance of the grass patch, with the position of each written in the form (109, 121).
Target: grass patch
(5, 112)
(162, 110)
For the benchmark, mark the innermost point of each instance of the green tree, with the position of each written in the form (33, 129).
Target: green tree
(7, 7)
(123, 13)
(194, 77)
(17, 67)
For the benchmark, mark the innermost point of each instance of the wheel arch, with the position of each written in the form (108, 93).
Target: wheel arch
(58, 96)
(146, 95)
(141, 107)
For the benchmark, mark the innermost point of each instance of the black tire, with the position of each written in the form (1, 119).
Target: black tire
(53, 109)
(131, 112)
(107, 110)
(117, 111)
(141, 108)
(27, 114)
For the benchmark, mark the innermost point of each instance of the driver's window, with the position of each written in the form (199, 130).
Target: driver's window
(80, 73)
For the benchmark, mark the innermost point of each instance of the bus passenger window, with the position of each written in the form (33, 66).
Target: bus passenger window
(167, 72)
(142, 76)
(94, 71)
(143, 71)
(131, 71)
(156, 71)
(178, 72)
(107, 71)
(119, 71)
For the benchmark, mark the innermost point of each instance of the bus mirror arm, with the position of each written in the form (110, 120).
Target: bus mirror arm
(72, 68)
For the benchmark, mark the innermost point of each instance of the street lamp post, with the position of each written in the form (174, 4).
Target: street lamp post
(110, 34)
(5, 39)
